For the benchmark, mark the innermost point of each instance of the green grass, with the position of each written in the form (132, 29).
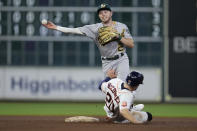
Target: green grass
(42, 108)
(90, 109)
(172, 110)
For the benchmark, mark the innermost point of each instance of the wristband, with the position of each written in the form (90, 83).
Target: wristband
(119, 37)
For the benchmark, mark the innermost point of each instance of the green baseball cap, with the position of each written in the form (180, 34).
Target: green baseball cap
(103, 7)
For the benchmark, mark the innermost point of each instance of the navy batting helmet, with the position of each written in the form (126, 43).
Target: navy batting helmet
(134, 78)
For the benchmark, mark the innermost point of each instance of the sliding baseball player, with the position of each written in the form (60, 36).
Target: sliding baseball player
(120, 96)
(119, 100)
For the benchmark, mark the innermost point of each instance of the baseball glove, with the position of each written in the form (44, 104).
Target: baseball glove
(107, 34)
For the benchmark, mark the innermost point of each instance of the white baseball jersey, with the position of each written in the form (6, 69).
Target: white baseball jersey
(117, 97)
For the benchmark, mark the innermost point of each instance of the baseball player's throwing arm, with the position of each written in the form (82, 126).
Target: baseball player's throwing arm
(51, 25)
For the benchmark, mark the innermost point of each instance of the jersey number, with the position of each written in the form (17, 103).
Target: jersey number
(109, 102)
(120, 47)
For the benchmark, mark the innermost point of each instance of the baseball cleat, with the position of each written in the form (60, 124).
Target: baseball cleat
(138, 107)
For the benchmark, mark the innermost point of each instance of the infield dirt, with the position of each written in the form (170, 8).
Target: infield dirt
(56, 123)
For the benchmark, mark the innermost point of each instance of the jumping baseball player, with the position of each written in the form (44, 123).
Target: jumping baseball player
(111, 38)
(119, 98)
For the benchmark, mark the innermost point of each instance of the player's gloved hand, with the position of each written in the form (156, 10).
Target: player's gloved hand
(107, 34)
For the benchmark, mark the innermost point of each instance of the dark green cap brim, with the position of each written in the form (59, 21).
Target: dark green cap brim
(103, 7)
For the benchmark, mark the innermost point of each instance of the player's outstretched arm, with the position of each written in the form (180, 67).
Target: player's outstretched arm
(110, 75)
(129, 116)
(51, 25)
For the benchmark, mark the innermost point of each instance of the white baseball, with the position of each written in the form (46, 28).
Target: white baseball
(44, 21)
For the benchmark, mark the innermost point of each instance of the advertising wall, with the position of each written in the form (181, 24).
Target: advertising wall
(69, 84)
(182, 49)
